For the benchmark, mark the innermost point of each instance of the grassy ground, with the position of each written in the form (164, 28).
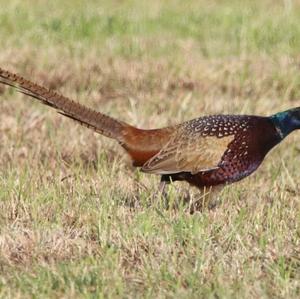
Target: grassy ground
(76, 220)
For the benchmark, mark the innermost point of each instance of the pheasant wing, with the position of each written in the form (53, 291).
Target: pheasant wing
(188, 153)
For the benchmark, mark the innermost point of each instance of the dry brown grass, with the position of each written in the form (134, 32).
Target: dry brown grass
(77, 221)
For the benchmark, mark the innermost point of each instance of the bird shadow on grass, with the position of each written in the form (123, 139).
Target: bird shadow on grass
(174, 199)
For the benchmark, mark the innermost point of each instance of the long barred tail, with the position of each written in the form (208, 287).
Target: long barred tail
(99, 122)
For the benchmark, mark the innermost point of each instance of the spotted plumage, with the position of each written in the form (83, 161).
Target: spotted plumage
(240, 143)
(207, 151)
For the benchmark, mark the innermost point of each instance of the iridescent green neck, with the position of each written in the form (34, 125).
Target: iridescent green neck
(287, 121)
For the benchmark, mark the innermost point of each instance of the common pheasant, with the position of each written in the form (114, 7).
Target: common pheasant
(206, 152)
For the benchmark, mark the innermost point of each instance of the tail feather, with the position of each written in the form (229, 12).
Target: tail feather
(99, 122)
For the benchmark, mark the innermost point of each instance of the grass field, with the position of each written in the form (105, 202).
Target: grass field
(76, 220)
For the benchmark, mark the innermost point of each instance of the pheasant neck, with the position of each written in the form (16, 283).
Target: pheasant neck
(285, 122)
